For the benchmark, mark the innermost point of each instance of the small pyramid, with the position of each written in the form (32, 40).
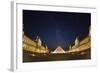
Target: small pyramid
(59, 49)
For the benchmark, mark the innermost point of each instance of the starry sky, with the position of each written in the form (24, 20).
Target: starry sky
(56, 28)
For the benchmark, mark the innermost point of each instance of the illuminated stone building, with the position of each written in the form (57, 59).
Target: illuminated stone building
(34, 46)
(82, 45)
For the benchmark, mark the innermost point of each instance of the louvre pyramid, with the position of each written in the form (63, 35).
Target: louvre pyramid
(59, 49)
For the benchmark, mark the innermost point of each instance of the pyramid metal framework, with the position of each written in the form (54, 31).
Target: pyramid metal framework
(59, 49)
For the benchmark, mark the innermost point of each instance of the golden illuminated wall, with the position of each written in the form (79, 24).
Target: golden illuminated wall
(27, 40)
(83, 45)
(85, 40)
(32, 46)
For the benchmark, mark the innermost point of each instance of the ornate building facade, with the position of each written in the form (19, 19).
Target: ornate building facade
(33, 46)
(82, 45)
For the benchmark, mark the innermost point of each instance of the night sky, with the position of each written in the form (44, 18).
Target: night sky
(56, 28)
